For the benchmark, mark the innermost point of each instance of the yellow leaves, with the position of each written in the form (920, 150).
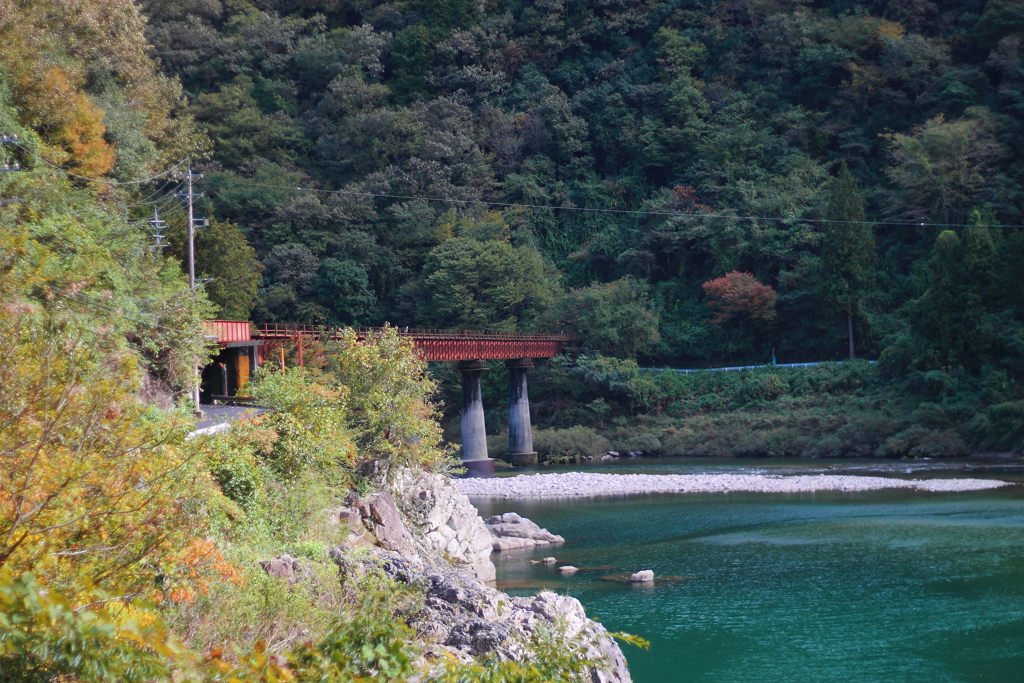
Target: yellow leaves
(82, 138)
(92, 484)
(52, 46)
(66, 117)
(890, 29)
(864, 79)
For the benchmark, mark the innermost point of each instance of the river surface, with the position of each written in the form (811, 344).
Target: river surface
(888, 586)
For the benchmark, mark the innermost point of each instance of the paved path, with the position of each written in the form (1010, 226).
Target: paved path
(215, 415)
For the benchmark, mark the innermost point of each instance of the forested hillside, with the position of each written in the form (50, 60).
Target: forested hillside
(593, 165)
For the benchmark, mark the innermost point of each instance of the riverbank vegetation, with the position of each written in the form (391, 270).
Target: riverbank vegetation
(127, 549)
(832, 410)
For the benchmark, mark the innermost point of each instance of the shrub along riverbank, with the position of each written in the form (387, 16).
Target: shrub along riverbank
(130, 552)
(595, 404)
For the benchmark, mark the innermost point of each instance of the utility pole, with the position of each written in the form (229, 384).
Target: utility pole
(190, 198)
(158, 236)
(10, 140)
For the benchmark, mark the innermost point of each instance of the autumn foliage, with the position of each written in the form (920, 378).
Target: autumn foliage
(96, 488)
(739, 295)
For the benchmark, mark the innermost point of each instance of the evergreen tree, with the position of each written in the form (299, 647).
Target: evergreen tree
(953, 319)
(847, 250)
(225, 258)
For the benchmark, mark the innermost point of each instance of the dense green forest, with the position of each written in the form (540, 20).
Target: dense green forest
(451, 154)
(677, 183)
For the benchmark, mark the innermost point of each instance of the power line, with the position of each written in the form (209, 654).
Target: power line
(634, 212)
(115, 311)
(142, 181)
(148, 200)
(550, 207)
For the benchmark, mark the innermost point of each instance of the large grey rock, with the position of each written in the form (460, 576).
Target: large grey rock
(642, 576)
(601, 646)
(380, 513)
(478, 636)
(446, 521)
(468, 617)
(281, 567)
(430, 536)
(352, 519)
(510, 530)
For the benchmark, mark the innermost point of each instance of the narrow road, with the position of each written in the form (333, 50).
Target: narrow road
(215, 415)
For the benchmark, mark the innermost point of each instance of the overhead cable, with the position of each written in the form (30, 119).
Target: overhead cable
(141, 181)
(635, 212)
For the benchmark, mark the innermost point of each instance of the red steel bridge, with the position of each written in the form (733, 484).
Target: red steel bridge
(244, 347)
(433, 345)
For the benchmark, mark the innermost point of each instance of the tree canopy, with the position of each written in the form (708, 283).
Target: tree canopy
(669, 142)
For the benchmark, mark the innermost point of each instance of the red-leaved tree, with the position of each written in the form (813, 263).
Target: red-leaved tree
(739, 294)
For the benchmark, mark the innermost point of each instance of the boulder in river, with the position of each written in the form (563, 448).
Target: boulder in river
(643, 576)
(568, 569)
(510, 530)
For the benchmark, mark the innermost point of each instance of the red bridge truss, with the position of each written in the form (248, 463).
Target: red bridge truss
(433, 345)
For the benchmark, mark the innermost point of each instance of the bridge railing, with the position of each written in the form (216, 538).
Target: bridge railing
(289, 330)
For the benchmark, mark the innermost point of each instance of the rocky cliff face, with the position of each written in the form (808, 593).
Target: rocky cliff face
(426, 534)
(446, 522)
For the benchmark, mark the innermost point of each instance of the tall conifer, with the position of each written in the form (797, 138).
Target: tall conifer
(847, 250)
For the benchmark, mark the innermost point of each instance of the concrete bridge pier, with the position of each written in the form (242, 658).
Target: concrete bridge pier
(474, 435)
(520, 435)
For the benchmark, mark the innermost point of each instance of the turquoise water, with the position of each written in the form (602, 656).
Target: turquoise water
(897, 586)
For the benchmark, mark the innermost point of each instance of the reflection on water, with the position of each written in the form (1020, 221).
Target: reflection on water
(902, 586)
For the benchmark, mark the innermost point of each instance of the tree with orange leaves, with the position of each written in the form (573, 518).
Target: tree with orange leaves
(96, 488)
(739, 295)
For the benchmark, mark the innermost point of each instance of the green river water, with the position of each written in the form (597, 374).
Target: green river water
(885, 586)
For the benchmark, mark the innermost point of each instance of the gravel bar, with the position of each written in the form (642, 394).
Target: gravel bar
(581, 484)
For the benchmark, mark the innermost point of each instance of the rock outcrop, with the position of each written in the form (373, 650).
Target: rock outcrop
(510, 531)
(427, 518)
(427, 534)
(465, 617)
(446, 522)
(281, 567)
(380, 514)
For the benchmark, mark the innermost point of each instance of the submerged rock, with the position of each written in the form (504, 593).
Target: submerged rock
(510, 531)
(642, 576)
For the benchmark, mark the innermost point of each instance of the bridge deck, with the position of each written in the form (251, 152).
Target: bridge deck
(433, 344)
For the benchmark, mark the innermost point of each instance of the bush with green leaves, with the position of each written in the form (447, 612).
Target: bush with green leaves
(43, 636)
(571, 444)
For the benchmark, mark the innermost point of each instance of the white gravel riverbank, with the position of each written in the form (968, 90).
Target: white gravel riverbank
(569, 484)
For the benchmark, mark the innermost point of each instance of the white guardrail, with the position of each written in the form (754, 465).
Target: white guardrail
(750, 367)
